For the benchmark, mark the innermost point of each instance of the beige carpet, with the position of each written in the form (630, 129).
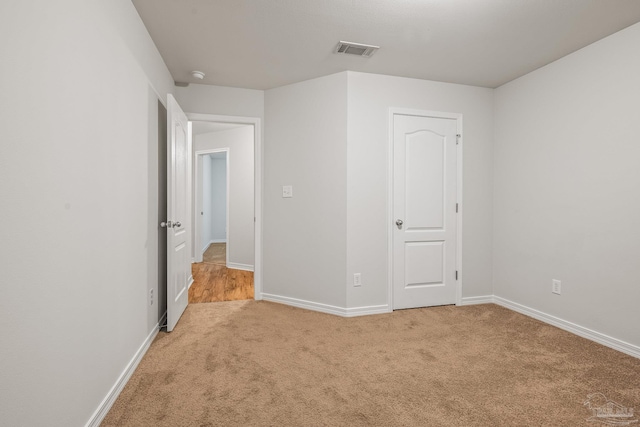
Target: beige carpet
(216, 253)
(248, 363)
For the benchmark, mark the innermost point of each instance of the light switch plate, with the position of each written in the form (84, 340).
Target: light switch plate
(287, 191)
(357, 279)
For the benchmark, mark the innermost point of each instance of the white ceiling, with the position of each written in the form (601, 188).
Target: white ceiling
(261, 44)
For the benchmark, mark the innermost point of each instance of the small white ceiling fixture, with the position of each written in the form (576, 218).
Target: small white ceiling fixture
(358, 49)
(197, 74)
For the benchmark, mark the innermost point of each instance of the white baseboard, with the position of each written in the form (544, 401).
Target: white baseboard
(484, 299)
(366, 310)
(190, 281)
(112, 395)
(238, 266)
(614, 343)
(309, 305)
(325, 308)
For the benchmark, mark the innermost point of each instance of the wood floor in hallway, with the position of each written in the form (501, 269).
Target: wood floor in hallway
(213, 281)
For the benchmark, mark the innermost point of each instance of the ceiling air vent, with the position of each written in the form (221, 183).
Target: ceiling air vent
(357, 49)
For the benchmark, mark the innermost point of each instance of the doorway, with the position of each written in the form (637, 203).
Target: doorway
(226, 204)
(211, 222)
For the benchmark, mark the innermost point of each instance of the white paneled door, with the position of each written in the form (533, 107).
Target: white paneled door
(424, 211)
(178, 259)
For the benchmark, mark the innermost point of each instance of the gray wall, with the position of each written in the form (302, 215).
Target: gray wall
(567, 187)
(83, 183)
(207, 206)
(306, 147)
(229, 101)
(219, 199)
(214, 200)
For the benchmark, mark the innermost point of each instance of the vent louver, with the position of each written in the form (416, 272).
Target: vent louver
(357, 49)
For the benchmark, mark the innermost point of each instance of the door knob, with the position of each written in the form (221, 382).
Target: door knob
(170, 224)
(399, 223)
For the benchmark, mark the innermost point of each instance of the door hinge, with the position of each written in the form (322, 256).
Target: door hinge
(456, 208)
(456, 274)
(458, 136)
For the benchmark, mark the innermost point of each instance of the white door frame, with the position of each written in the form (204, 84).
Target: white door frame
(258, 168)
(390, 178)
(198, 228)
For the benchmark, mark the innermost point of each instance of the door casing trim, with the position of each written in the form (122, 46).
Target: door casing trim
(458, 262)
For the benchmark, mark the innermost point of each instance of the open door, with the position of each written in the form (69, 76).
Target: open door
(178, 262)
